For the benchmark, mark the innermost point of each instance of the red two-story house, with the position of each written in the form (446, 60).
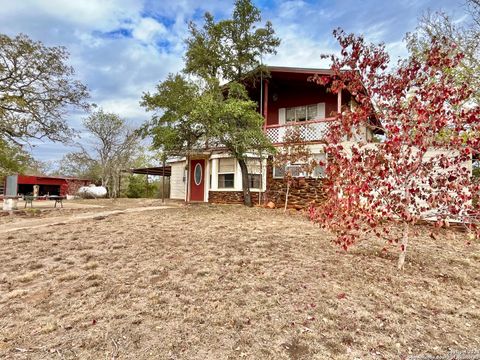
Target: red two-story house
(286, 98)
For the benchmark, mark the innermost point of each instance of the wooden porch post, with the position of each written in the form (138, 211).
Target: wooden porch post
(187, 180)
(265, 104)
(339, 102)
(146, 181)
(163, 183)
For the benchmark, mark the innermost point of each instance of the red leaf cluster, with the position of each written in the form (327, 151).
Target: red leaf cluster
(430, 130)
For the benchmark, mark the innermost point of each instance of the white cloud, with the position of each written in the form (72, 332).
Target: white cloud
(121, 48)
(148, 29)
(128, 108)
(87, 14)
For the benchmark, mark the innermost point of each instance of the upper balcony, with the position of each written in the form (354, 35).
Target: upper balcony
(311, 131)
(287, 98)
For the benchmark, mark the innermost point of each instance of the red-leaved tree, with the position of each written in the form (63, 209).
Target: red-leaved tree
(421, 168)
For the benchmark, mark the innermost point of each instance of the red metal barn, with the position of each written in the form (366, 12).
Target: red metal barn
(47, 185)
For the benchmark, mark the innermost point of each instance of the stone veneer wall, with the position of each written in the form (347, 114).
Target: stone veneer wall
(229, 197)
(303, 191)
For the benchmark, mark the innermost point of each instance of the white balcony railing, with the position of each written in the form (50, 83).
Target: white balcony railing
(310, 131)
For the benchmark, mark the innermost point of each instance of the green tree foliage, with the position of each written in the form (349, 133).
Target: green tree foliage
(193, 115)
(136, 185)
(233, 121)
(464, 34)
(79, 164)
(114, 146)
(36, 90)
(13, 159)
(177, 127)
(174, 127)
(231, 48)
(139, 188)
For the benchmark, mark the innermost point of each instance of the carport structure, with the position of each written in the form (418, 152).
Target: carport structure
(163, 171)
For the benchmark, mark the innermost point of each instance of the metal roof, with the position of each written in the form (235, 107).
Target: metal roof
(158, 171)
(54, 177)
(299, 70)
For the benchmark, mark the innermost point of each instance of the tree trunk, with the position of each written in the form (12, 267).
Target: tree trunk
(147, 192)
(247, 197)
(286, 196)
(114, 186)
(403, 244)
(119, 184)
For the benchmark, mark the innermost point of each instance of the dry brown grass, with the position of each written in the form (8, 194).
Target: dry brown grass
(44, 209)
(227, 282)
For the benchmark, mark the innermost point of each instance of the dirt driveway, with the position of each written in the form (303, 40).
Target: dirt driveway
(227, 282)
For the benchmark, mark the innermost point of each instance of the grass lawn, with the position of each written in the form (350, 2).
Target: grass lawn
(227, 282)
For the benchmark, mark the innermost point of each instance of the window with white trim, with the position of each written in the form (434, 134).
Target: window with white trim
(254, 173)
(278, 172)
(296, 170)
(319, 170)
(210, 173)
(302, 113)
(226, 173)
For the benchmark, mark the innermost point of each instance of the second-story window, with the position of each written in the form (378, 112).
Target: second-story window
(226, 173)
(302, 113)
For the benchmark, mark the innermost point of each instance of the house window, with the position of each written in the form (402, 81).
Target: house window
(198, 174)
(294, 169)
(278, 172)
(254, 173)
(254, 181)
(226, 173)
(226, 181)
(302, 113)
(319, 170)
(297, 170)
(226, 165)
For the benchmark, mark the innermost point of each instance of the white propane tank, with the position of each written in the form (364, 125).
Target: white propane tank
(92, 191)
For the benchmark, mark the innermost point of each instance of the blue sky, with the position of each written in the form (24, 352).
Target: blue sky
(121, 48)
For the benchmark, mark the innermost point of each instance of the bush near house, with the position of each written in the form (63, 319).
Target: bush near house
(138, 188)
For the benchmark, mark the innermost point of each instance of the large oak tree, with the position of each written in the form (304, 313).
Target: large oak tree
(37, 89)
(218, 52)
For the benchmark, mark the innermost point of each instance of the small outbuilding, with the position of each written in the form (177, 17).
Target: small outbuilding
(42, 185)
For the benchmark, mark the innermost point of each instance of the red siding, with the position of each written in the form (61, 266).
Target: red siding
(290, 88)
(290, 96)
(39, 180)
